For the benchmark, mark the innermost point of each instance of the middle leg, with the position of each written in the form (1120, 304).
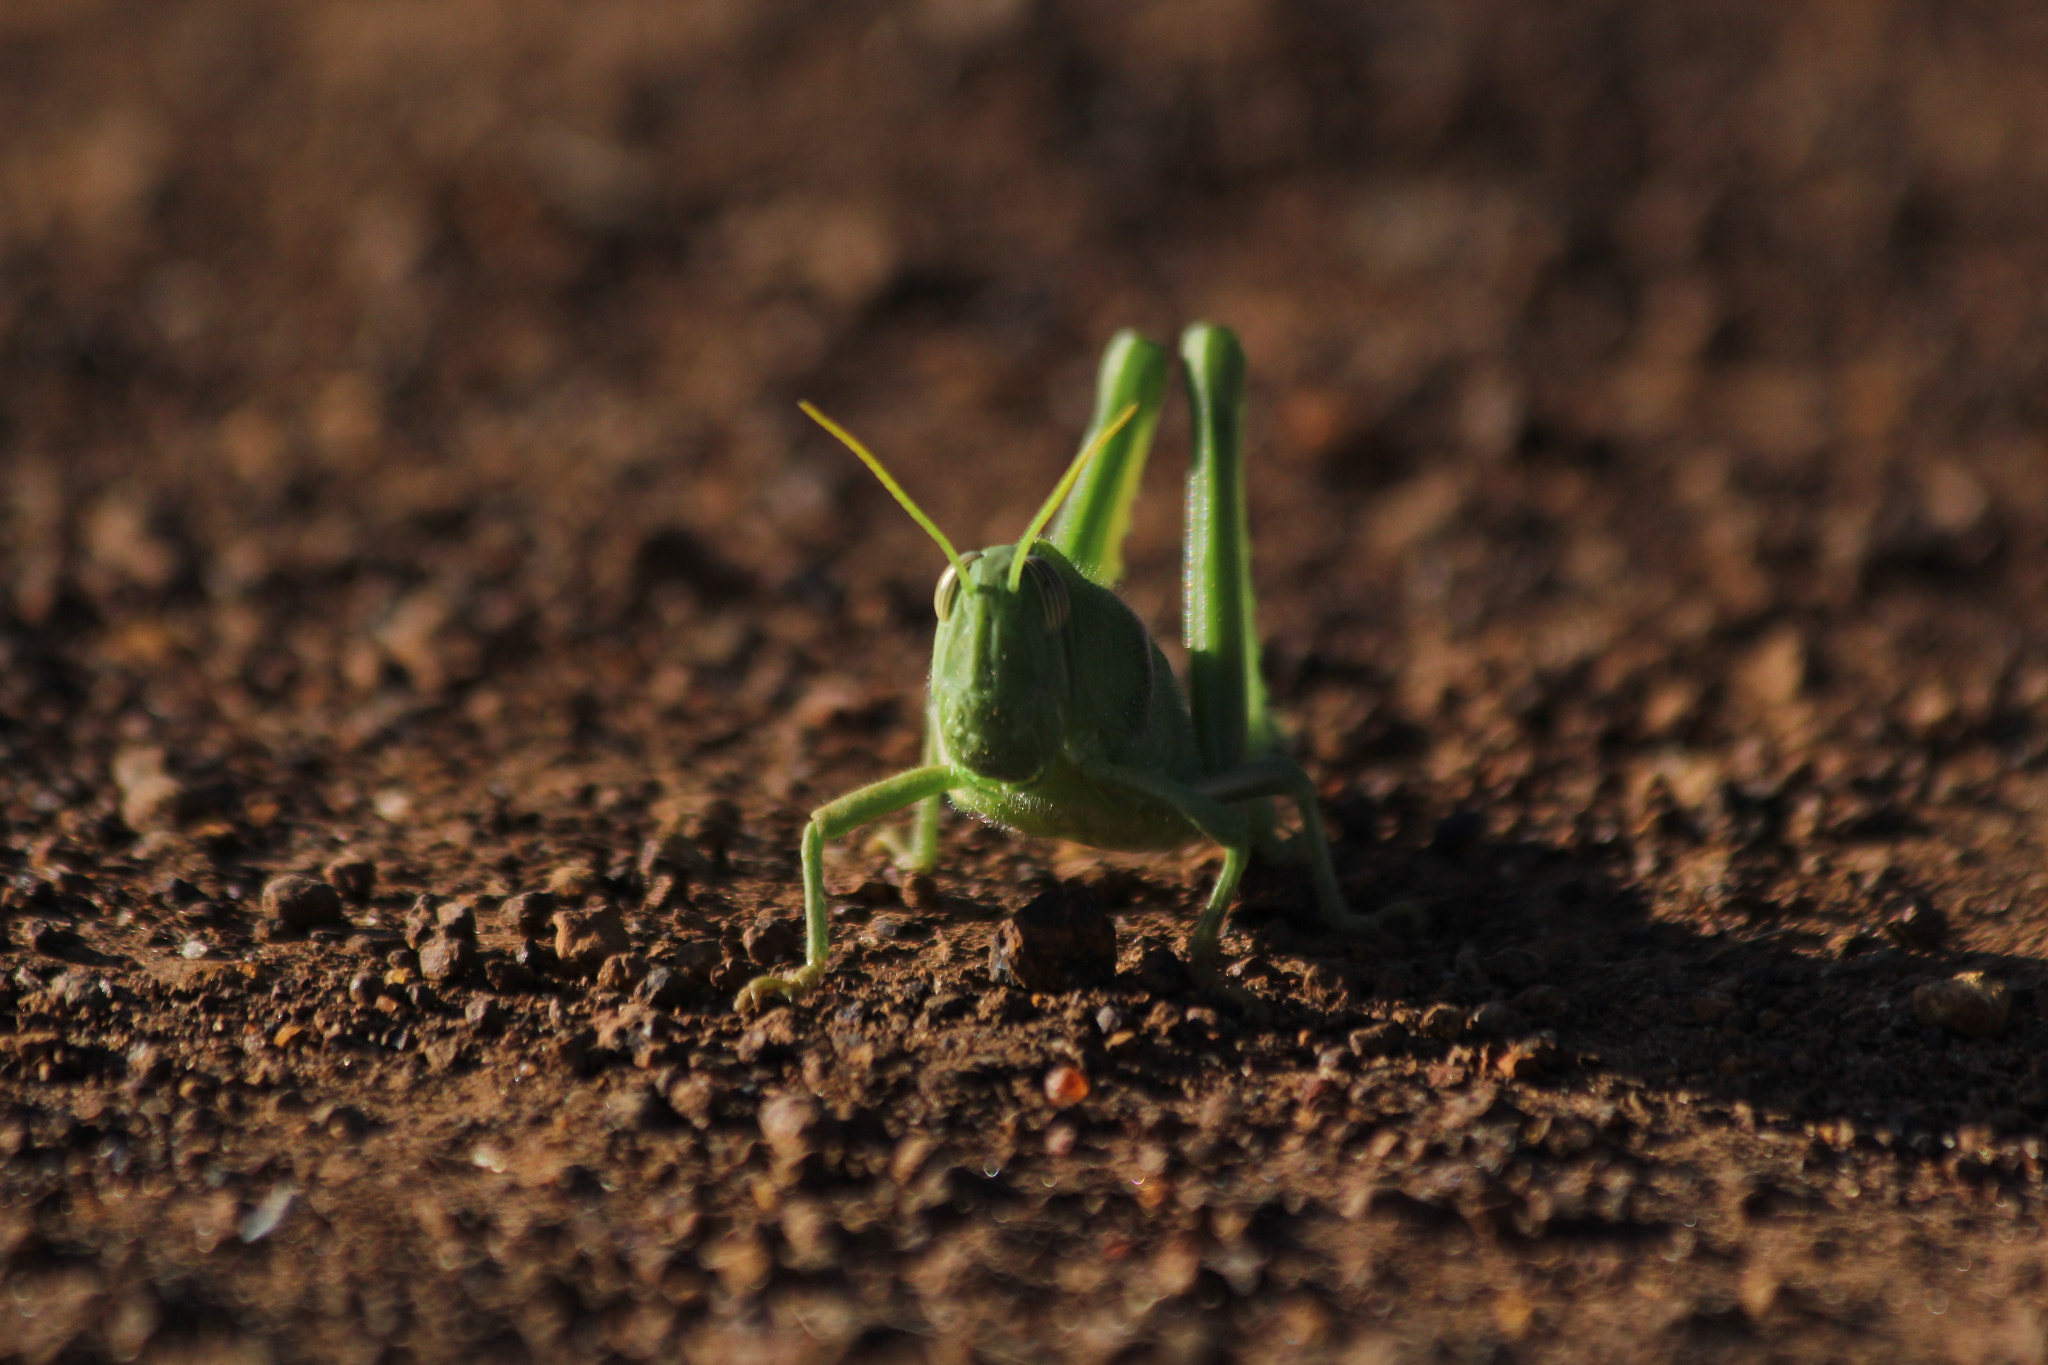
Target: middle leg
(1276, 775)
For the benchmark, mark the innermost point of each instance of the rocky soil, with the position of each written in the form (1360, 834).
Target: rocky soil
(425, 623)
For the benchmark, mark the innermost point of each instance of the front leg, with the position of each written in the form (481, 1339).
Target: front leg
(919, 852)
(831, 821)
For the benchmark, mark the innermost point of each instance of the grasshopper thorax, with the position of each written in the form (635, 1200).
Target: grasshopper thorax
(1000, 672)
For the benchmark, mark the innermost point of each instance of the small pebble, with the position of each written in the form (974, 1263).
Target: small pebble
(1065, 1086)
(268, 1215)
(639, 1108)
(1444, 1021)
(1526, 1057)
(666, 890)
(355, 878)
(1377, 1040)
(507, 977)
(1060, 1139)
(883, 931)
(1109, 1019)
(448, 957)
(771, 939)
(51, 940)
(1919, 924)
(300, 903)
(695, 1098)
(1253, 968)
(715, 829)
(1326, 980)
(1497, 1019)
(621, 972)
(695, 961)
(530, 912)
(485, 1015)
(364, 988)
(574, 882)
(1971, 1004)
(787, 1122)
(457, 917)
(665, 853)
(662, 987)
(422, 920)
(1163, 973)
(585, 938)
(537, 958)
(875, 891)
(147, 1066)
(1060, 940)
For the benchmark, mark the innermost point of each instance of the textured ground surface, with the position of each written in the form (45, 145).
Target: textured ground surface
(399, 468)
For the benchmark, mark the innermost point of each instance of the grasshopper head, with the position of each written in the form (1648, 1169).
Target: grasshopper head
(1000, 680)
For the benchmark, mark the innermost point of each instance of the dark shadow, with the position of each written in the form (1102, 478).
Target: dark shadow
(1782, 1018)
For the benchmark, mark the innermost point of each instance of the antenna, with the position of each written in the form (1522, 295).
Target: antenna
(888, 481)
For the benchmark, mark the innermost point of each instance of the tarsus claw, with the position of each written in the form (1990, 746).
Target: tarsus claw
(754, 995)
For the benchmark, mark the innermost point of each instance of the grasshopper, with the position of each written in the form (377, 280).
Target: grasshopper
(1050, 709)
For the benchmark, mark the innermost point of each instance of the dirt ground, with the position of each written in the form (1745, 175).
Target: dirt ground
(401, 487)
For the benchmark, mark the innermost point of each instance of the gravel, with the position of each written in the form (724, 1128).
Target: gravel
(773, 939)
(448, 957)
(355, 878)
(1971, 1005)
(585, 938)
(1060, 940)
(300, 904)
(530, 913)
(1919, 924)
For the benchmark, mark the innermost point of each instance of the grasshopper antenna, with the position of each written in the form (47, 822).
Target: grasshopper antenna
(895, 489)
(1061, 489)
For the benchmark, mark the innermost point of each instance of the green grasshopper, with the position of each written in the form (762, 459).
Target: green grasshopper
(1051, 711)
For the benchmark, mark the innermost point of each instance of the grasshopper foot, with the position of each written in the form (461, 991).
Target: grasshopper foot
(756, 993)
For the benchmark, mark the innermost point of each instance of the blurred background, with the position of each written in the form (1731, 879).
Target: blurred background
(359, 351)
(400, 466)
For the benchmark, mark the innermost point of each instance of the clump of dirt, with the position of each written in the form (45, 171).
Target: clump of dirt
(425, 624)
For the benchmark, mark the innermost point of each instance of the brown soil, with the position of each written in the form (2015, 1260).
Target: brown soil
(399, 465)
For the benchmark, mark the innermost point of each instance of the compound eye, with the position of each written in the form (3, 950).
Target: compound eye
(1052, 591)
(948, 590)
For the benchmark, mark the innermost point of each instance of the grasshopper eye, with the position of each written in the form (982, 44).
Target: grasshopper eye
(949, 586)
(1052, 592)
